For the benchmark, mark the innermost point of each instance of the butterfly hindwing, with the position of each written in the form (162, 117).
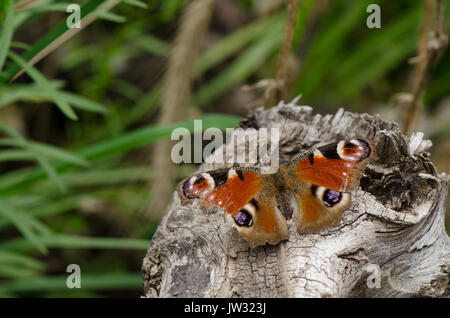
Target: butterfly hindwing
(260, 221)
(245, 197)
(319, 207)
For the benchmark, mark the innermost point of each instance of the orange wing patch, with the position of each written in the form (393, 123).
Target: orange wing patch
(236, 192)
(338, 175)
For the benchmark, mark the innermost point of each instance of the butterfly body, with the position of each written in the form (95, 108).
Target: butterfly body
(313, 190)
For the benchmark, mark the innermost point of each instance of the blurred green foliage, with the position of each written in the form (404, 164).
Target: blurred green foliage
(71, 194)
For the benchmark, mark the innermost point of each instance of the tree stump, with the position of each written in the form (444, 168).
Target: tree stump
(390, 242)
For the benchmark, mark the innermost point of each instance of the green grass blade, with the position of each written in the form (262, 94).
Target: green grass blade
(15, 271)
(56, 153)
(89, 281)
(83, 103)
(78, 55)
(100, 179)
(15, 155)
(51, 172)
(9, 257)
(144, 105)
(66, 241)
(109, 16)
(6, 33)
(49, 207)
(126, 89)
(33, 93)
(136, 3)
(103, 177)
(40, 151)
(72, 241)
(45, 85)
(16, 137)
(20, 45)
(152, 45)
(25, 225)
(6, 141)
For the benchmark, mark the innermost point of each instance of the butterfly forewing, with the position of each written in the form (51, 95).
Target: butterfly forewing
(336, 166)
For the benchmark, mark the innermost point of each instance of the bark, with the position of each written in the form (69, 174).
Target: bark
(391, 241)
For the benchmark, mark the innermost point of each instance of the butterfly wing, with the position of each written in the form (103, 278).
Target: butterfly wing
(319, 207)
(246, 199)
(321, 180)
(337, 166)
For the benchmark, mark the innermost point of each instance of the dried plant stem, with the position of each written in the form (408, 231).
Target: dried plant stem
(428, 52)
(177, 91)
(287, 43)
(25, 5)
(277, 92)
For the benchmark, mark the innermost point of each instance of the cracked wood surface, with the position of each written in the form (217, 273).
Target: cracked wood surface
(390, 242)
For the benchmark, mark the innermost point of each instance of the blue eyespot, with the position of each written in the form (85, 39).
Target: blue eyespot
(243, 218)
(331, 197)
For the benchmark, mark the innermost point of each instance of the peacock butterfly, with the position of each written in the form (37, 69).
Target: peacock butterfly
(313, 190)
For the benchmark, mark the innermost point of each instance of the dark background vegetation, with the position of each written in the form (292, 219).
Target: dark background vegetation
(76, 129)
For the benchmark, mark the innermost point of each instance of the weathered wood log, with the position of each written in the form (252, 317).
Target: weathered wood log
(391, 241)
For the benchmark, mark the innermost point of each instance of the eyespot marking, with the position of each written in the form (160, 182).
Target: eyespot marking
(243, 218)
(331, 197)
(208, 180)
(198, 180)
(327, 196)
(187, 188)
(198, 185)
(354, 149)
